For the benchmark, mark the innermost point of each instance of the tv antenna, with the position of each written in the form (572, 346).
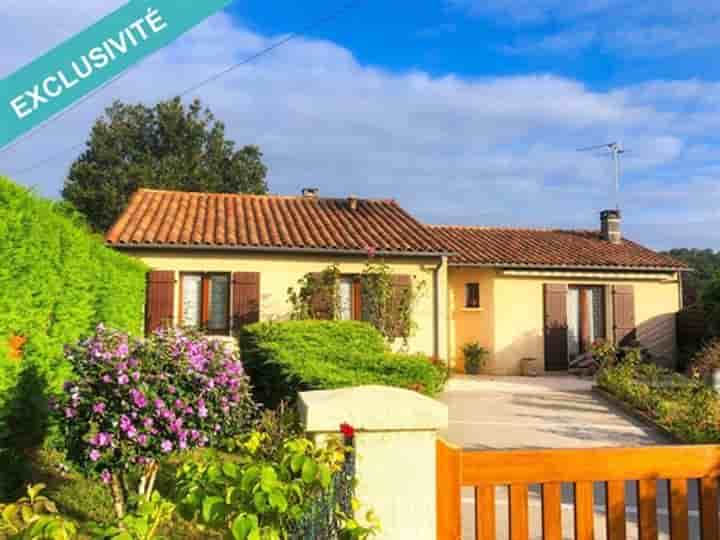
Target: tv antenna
(616, 149)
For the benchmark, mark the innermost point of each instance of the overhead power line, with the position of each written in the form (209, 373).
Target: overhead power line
(277, 44)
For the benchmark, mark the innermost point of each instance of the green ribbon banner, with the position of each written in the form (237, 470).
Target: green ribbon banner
(93, 57)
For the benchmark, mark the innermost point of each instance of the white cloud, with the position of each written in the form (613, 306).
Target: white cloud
(495, 150)
(630, 28)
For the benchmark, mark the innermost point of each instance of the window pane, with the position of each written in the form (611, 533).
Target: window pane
(191, 300)
(598, 313)
(345, 299)
(472, 295)
(219, 294)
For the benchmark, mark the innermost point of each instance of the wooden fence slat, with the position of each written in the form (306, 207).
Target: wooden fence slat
(485, 512)
(448, 492)
(678, 509)
(647, 509)
(519, 529)
(709, 509)
(615, 510)
(590, 464)
(584, 511)
(551, 509)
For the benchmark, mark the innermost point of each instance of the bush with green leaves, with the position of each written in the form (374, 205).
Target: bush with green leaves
(707, 359)
(134, 401)
(686, 407)
(63, 281)
(59, 281)
(259, 494)
(35, 517)
(284, 358)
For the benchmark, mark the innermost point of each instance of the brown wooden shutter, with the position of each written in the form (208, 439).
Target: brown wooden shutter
(159, 299)
(321, 305)
(245, 298)
(401, 283)
(556, 338)
(624, 315)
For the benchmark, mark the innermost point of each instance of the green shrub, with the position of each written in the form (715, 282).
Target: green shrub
(686, 407)
(288, 357)
(63, 282)
(58, 282)
(256, 495)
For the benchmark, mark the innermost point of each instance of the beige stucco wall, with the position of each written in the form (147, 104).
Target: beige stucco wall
(470, 324)
(279, 271)
(510, 322)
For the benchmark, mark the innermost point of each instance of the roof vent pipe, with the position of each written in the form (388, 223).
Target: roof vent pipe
(610, 221)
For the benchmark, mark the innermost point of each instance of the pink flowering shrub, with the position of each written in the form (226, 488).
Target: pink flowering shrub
(133, 402)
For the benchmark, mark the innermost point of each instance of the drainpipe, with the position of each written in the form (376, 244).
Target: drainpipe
(436, 314)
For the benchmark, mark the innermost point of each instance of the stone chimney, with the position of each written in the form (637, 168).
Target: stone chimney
(352, 202)
(610, 221)
(310, 192)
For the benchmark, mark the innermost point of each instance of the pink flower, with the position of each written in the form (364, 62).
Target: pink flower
(138, 398)
(105, 476)
(107, 379)
(166, 446)
(99, 408)
(136, 375)
(123, 379)
(94, 454)
(70, 412)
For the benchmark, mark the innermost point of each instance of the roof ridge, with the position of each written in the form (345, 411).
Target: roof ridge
(509, 228)
(266, 195)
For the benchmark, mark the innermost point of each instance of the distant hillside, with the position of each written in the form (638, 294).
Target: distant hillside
(704, 262)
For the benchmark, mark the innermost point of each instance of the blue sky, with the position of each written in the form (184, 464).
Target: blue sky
(465, 111)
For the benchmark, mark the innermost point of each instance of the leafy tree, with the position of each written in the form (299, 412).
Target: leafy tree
(168, 146)
(706, 266)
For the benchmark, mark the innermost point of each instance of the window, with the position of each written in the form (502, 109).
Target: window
(472, 295)
(206, 301)
(349, 299)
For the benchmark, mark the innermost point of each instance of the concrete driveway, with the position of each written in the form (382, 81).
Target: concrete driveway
(542, 412)
(548, 412)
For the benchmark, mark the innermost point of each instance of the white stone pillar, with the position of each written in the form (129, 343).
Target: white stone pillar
(395, 438)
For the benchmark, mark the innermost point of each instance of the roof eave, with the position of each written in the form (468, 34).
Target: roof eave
(280, 249)
(572, 267)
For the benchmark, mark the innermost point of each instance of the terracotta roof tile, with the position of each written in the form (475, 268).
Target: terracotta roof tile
(545, 248)
(170, 218)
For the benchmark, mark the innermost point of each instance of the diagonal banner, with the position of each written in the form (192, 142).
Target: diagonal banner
(88, 60)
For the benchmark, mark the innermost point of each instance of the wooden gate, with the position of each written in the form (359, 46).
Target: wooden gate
(517, 469)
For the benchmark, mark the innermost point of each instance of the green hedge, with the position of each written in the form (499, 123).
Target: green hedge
(57, 281)
(288, 357)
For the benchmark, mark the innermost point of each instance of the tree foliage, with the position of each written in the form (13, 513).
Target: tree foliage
(168, 146)
(705, 264)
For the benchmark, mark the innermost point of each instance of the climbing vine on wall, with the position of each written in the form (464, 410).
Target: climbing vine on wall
(385, 303)
(316, 295)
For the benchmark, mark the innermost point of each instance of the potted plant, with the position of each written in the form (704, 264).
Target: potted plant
(475, 357)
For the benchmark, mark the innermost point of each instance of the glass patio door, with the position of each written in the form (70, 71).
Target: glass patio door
(585, 318)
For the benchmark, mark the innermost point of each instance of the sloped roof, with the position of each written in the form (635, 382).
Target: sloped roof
(495, 246)
(236, 221)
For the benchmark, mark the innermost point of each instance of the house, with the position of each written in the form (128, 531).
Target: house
(223, 260)
(548, 294)
(228, 259)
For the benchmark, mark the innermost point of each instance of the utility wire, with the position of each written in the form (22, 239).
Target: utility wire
(290, 37)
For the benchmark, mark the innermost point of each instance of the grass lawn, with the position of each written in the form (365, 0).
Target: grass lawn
(89, 501)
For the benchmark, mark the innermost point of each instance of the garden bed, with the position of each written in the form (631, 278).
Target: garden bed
(685, 409)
